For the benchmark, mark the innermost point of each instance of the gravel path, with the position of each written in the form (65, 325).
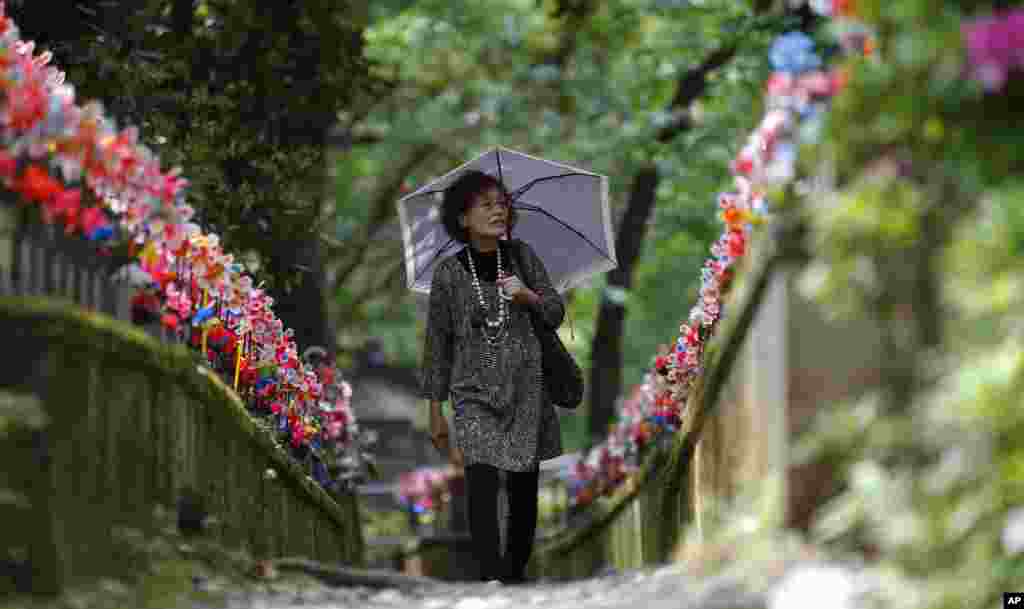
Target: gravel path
(806, 586)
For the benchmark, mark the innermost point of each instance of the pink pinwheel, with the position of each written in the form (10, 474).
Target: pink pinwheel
(335, 428)
(744, 163)
(691, 336)
(26, 106)
(818, 84)
(178, 300)
(779, 85)
(775, 123)
(170, 184)
(298, 435)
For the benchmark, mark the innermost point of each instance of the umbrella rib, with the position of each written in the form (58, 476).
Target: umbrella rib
(522, 189)
(427, 192)
(529, 207)
(501, 176)
(437, 255)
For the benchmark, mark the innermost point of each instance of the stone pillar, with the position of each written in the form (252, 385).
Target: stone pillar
(67, 277)
(766, 352)
(8, 227)
(38, 265)
(23, 284)
(50, 262)
(741, 454)
(78, 284)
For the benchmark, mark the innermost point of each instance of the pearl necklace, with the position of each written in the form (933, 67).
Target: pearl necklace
(497, 326)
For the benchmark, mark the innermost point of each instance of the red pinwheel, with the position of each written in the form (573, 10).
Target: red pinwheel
(736, 244)
(169, 321)
(37, 185)
(63, 206)
(93, 222)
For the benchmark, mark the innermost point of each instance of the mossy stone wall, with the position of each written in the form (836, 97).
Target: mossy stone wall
(133, 423)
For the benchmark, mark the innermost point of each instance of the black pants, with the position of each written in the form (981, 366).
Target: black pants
(482, 499)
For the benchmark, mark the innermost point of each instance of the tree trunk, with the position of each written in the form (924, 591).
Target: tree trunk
(304, 308)
(606, 350)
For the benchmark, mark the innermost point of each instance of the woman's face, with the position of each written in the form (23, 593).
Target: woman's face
(487, 215)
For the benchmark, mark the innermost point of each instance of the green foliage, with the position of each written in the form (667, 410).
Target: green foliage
(238, 95)
(18, 409)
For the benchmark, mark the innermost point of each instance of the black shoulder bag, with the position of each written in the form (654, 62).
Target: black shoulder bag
(563, 378)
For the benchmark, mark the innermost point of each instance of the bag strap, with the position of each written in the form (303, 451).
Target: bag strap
(517, 252)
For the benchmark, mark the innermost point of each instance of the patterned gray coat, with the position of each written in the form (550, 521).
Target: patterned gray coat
(502, 416)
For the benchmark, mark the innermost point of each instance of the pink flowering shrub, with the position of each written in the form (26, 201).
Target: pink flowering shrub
(995, 47)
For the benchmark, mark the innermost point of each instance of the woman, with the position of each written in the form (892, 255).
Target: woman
(481, 354)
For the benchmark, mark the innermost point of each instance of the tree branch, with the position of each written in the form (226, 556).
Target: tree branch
(575, 13)
(382, 211)
(383, 208)
(393, 273)
(691, 86)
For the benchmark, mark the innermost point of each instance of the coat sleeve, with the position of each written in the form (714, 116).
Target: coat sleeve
(551, 308)
(437, 349)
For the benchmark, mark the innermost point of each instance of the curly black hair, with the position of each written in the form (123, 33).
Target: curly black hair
(459, 196)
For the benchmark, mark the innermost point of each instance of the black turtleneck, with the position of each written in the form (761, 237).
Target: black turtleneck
(486, 263)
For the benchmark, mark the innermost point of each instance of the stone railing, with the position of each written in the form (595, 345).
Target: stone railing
(134, 423)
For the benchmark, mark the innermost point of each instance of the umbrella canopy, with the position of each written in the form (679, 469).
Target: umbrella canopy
(563, 214)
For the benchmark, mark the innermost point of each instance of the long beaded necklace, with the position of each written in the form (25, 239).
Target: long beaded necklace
(494, 329)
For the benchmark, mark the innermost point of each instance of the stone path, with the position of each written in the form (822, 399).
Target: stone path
(801, 587)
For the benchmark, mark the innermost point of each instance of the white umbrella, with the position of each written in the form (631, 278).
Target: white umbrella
(563, 215)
